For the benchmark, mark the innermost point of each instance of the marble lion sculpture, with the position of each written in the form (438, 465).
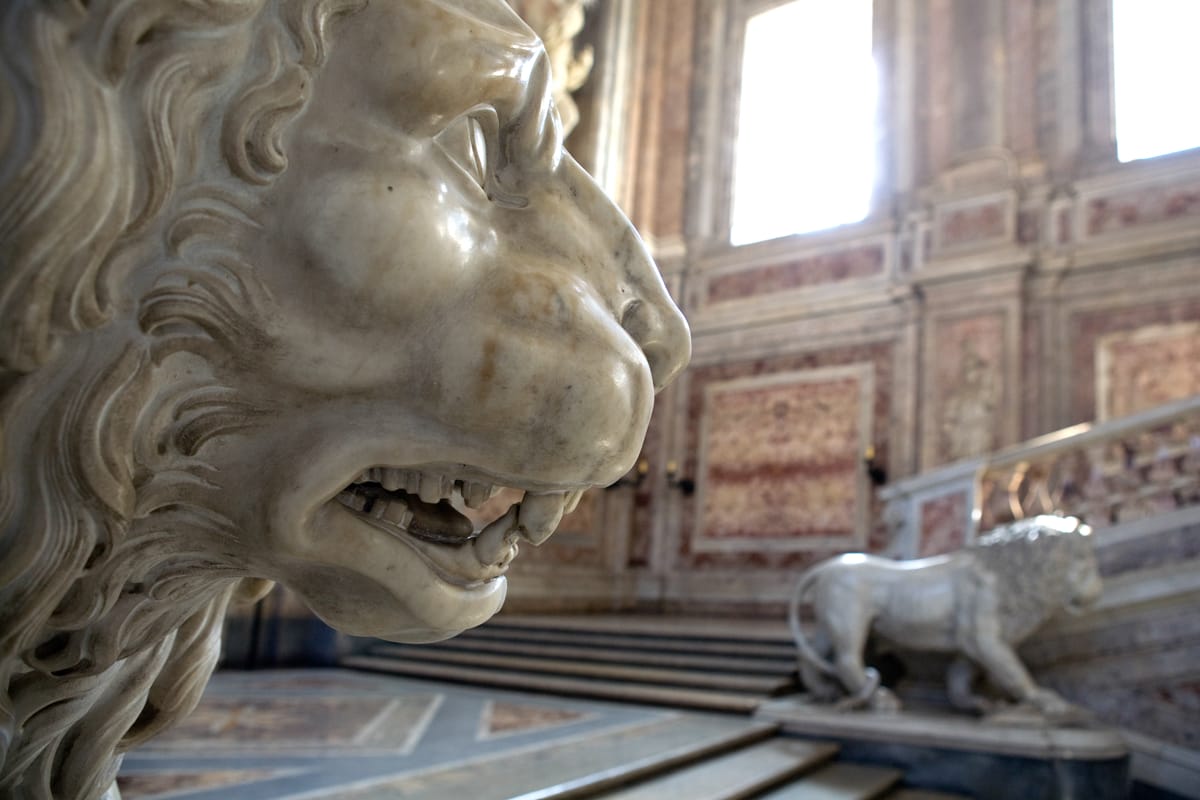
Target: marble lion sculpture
(288, 288)
(977, 604)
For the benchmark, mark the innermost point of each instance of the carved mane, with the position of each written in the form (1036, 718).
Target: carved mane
(1029, 559)
(110, 599)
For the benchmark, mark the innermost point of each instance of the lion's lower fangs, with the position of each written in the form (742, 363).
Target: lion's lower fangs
(496, 543)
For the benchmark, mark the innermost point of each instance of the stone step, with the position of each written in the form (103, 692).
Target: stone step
(571, 769)
(839, 781)
(713, 700)
(659, 643)
(623, 655)
(759, 684)
(732, 776)
(740, 628)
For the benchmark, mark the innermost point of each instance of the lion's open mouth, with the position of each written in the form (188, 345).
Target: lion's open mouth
(447, 519)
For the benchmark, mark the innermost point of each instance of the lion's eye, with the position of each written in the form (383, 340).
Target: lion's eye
(465, 141)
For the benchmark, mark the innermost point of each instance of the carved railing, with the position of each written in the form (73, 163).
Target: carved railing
(1105, 473)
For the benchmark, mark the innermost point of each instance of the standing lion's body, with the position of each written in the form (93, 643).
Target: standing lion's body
(977, 603)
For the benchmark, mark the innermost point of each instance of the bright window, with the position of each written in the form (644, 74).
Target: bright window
(1156, 61)
(804, 159)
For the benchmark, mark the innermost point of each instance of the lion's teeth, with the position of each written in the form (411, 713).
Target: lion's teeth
(446, 487)
(392, 479)
(572, 501)
(539, 515)
(412, 482)
(495, 543)
(476, 494)
(352, 499)
(397, 513)
(430, 490)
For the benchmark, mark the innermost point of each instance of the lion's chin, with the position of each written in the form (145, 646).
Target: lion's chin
(421, 609)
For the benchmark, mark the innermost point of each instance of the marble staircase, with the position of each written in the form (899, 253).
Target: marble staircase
(686, 756)
(730, 666)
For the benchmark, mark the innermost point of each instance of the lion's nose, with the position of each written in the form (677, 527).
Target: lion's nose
(658, 326)
(644, 307)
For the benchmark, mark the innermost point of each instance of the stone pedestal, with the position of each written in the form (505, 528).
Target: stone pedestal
(1024, 758)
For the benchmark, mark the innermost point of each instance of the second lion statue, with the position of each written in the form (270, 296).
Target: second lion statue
(976, 604)
(288, 288)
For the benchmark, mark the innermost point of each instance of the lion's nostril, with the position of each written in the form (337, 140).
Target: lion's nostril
(663, 335)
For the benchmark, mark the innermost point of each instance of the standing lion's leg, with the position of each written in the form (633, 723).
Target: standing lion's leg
(960, 678)
(861, 683)
(984, 643)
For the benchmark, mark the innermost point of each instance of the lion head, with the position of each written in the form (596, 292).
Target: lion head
(289, 287)
(1043, 564)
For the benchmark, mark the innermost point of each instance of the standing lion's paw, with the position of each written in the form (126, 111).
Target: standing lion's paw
(1049, 703)
(884, 700)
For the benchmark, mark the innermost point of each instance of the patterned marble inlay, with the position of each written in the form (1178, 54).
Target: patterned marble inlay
(1143, 206)
(305, 734)
(976, 223)
(502, 718)
(1089, 328)
(1142, 369)
(878, 359)
(833, 267)
(943, 524)
(301, 722)
(782, 459)
(156, 785)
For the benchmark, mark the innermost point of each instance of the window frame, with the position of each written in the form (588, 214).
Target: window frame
(721, 40)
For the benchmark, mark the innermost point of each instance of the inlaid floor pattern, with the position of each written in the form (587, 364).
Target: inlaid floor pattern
(691, 663)
(340, 735)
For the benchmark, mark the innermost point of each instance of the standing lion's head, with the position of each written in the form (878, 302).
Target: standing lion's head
(289, 288)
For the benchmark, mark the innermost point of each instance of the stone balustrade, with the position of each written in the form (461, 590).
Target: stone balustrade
(1107, 474)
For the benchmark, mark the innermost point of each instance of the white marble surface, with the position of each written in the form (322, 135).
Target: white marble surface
(291, 289)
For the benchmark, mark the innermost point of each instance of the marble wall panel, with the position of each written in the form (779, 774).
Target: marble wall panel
(1089, 328)
(1141, 369)
(943, 523)
(1065, 228)
(1022, 44)
(853, 263)
(938, 105)
(781, 460)
(974, 224)
(1133, 208)
(968, 372)
(665, 119)
(1032, 353)
(817, 450)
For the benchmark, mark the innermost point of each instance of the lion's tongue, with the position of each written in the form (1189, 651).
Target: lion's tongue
(437, 521)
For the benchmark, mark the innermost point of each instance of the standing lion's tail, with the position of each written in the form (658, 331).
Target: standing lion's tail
(807, 656)
(820, 677)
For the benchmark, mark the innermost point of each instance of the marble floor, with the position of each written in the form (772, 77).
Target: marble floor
(338, 734)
